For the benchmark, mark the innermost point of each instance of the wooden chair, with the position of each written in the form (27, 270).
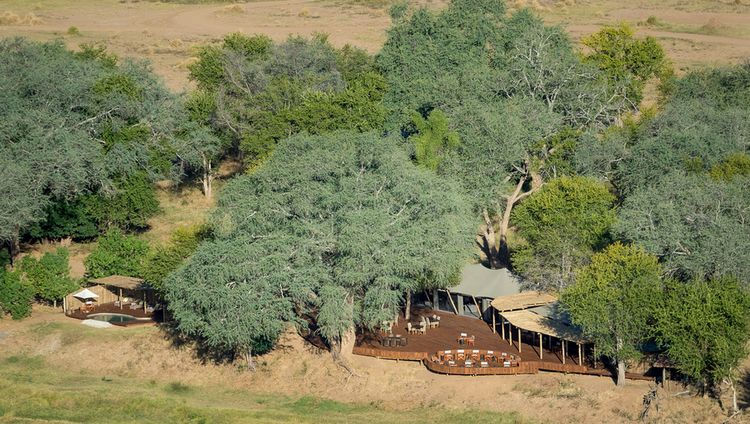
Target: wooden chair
(470, 341)
(460, 356)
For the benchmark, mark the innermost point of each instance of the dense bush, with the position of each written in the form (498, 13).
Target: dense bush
(163, 260)
(15, 294)
(117, 254)
(256, 92)
(49, 275)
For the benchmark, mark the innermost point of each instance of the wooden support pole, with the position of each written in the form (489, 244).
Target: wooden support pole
(510, 333)
(494, 324)
(450, 298)
(580, 354)
(119, 298)
(502, 326)
(479, 310)
(519, 339)
(563, 351)
(541, 349)
(549, 343)
(593, 347)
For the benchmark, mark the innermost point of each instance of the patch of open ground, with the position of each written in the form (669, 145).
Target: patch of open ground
(146, 363)
(695, 32)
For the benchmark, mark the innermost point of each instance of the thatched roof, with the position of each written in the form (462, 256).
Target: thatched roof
(129, 283)
(542, 320)
(522, 300)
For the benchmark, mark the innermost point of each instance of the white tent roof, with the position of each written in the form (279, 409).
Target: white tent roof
(86, 294)
(479, 281)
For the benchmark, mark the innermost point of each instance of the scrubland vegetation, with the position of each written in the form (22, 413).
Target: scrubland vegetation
(476, 133)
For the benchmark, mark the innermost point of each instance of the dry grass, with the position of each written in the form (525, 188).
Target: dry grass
(10, 18)
(183, 208)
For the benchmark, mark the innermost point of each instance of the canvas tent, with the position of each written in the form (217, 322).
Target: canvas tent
(477, 287)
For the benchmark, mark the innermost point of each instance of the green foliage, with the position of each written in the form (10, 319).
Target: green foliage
(338, 226)
(129, 207)
(116, 254)
(262, 92)
(65, 219)
(705, 327)
(118, 85)
(49, 276)
(613, 299)
(432, 139)
(626, 60)
(705, 122)
(15, 294)
(92, 124)
(562, 225)
(736, 164)
(165, 259)
(698, 226)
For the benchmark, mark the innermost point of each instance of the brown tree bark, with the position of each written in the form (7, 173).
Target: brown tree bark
(407, 309)
(207, 177)
(620, 366)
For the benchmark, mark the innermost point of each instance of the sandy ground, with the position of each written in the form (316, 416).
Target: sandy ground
(297, 369)
(694, 32)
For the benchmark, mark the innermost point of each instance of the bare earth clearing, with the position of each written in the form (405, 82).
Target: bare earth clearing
(295, 369)
(694, 32)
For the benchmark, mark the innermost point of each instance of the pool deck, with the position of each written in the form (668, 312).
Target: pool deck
(111, 308)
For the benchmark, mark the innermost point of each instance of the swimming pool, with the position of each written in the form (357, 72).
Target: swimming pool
(113, 318)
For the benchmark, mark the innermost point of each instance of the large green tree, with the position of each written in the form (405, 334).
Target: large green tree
(681, 173)
(507, 84)
(628, 61)
(562, 224)
(71, 125)
(256, 92)
(613, 301)
(338, 226)
(704, 327)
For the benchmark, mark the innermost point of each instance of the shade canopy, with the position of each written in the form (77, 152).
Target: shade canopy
(546, 320)
(480, 281)
(121, 281)
(86, 294)
(523, 300)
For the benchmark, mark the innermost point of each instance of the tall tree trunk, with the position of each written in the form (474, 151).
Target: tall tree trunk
(407, 309)
(620, 373)
(620, 365)
(249, 360)
(490, 241)
(14, 247)
(207, 177)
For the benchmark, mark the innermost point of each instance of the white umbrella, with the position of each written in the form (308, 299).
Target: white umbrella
(86, 294)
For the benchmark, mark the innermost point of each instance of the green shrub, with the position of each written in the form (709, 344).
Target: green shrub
(15, 295)
(49, 275)
(117, 254)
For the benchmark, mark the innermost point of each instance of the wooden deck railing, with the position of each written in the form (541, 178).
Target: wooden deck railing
(389, 354)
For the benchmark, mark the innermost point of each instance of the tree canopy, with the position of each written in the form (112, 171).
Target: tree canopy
(508, 86)
(683, 178)
(256, 92)
(704, 326)
(562, 224)
(339, 226)
(92, 123)
(613, 300)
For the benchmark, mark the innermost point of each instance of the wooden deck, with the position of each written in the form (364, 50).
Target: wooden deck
(421, 347)
(111, 308)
